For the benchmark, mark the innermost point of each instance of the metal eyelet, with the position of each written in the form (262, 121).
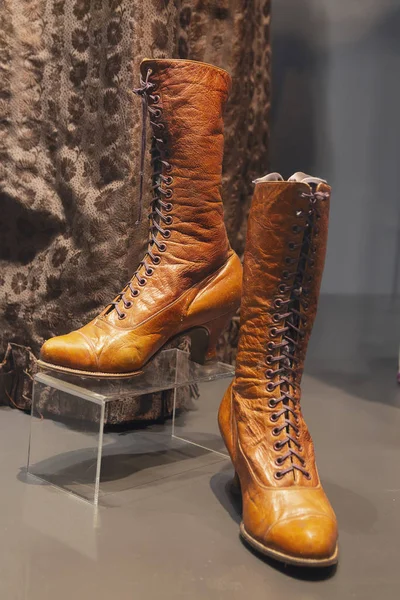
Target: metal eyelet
(156, 260)
(149, 272)
(273, 417)
(158, 98)
(278, 303)
(276, 431)
(121, 316)
(168, 207)
(269, 373)
(277, 446)
(311, 262)
(282, 288)
(128, 304)
(167, 234)
(162, 247)
(157, 113)
(288, 260)
(168, 220)
(168, 193)
(272, 403)
(169, 180)
(278, 475)
(276, 318)
(270, 387)
(269, 359)
(296, 229)
(142, 281)
(278, 461)
(292, 246)
(135, 293)
(274, 332)
(168, 168)
(270, 346)
(307, 476)
(285, 275)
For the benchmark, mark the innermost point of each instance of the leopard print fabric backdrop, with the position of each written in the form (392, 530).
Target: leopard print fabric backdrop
(70, 146)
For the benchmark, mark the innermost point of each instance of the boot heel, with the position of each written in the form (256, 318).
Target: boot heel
(205, 337)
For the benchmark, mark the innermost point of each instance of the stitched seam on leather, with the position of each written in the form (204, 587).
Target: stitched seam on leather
(89, 342)
(208, 280)
(301, 518)
(182, 296)
(177, 63)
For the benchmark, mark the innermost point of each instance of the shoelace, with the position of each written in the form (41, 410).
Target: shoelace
(292, 332)
(159, 186)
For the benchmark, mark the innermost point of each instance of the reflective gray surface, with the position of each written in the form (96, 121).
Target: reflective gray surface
(177, 536)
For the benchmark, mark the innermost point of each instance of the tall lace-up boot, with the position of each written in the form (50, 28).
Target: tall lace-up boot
(286, 514)
(189, 279)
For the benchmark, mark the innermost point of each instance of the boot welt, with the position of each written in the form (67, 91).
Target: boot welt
(59, 368)
(286, 558)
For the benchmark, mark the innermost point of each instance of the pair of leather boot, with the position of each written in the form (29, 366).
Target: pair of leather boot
(190, 279)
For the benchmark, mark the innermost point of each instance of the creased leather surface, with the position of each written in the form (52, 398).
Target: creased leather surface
(197, 262)
(292, 514)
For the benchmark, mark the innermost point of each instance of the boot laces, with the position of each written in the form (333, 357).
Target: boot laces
(162, 192)
(291, 322)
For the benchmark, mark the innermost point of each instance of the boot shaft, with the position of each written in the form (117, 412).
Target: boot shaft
(282, 273)
(187, 242)
(186, 115)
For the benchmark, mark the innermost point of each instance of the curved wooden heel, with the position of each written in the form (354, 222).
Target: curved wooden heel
(205, 337)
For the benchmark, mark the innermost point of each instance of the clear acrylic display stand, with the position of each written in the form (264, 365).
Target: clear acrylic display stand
(72, 448)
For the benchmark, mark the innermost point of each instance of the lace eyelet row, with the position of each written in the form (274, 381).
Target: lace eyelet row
(167, 192)
(278, 303)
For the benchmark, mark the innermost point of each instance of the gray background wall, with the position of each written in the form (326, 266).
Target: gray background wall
(336, 114)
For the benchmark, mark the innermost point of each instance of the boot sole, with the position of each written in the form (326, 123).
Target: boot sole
(286, 558)
(50, 366)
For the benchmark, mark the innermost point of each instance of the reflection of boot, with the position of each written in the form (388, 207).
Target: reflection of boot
(286, 514)
(190, 278)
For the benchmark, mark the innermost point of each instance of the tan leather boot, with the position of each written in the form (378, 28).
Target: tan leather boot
(286, 514)
(190, 278)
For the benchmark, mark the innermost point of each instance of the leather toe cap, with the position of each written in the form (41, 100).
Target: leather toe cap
(312, 537)
(71, 351)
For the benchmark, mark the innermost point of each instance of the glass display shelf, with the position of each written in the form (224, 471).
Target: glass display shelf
(72, 447)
